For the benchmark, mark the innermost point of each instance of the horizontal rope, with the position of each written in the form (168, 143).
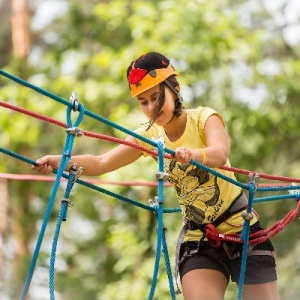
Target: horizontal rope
(28, 177)
(168, 154)
(144, 149)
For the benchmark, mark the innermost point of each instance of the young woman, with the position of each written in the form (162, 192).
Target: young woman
(194, 134)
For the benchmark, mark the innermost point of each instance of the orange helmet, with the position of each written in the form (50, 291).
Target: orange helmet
(147, 71)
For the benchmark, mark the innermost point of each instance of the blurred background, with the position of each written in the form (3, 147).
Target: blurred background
(240, 57)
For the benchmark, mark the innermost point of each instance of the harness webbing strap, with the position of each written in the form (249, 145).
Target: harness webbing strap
(231, 255)
(251, 252)
(239, 204)
(178, 246)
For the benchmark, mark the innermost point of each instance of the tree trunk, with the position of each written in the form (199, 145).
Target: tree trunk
(20, 18)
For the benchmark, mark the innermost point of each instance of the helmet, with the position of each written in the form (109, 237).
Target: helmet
(147, 71)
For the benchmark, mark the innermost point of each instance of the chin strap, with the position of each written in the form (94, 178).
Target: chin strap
(171, 87)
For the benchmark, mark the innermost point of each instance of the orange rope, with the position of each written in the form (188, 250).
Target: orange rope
(87, 179)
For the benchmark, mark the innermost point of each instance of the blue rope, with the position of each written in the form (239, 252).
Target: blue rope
(158, 251)
(89, 185)
(61, 217)
(63, 163)
(245, 238)
(168, 266)
(43, 229)
(159, 216)
(114, 125)
(158, 209)
(18, 156)
(35, 88)
(161, 245)
(161, 198)
(277, 188)
(275, 198)
(94, 187)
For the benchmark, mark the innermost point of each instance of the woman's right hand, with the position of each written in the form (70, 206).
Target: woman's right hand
(46, 164)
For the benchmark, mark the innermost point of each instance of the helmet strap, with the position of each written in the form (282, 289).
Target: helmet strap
(171, 87)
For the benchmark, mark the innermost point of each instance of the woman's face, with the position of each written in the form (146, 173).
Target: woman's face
(148, 102)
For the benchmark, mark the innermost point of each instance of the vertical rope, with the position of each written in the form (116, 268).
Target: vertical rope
(63, 163)
(161, 243)
(168, 267)
(162, 177)
(61, 217)
(245, 237)
(159, 216)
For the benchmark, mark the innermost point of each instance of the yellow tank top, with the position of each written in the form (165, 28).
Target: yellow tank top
(203, 197)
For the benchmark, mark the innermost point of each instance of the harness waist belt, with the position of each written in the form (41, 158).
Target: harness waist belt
(231, 256)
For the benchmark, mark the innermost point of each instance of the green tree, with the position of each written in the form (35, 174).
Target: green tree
(107, 246)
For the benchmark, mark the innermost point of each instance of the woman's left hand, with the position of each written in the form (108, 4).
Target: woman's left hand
(183, 155)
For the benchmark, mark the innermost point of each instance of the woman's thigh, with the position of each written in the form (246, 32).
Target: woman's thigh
(204, 284)
(263, 291)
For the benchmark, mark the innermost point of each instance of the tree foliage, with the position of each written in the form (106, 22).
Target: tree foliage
(231, 55)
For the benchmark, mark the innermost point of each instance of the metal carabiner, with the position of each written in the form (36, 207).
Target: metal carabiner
(74, 100)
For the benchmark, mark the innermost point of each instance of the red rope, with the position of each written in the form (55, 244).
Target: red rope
(212, 234)
(262, 175)
(215, 238)
(86, 133)
(144, 149)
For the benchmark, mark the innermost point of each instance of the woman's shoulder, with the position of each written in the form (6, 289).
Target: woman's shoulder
(201, 112)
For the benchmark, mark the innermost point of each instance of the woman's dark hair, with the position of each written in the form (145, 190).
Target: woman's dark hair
(172, 83)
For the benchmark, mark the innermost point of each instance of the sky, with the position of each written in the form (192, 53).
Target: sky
(291, 14)
(46, 11)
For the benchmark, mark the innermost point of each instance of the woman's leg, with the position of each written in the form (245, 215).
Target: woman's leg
(263, 291)
(204, 284)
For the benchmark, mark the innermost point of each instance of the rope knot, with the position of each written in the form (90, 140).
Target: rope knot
(212, 235)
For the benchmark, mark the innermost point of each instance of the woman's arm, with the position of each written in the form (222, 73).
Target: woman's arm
(217, 149)
(93, 165)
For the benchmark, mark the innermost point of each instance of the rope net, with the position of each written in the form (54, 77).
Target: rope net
(289, 185)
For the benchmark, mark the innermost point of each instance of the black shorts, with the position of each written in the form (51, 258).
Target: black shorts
(261, 268)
